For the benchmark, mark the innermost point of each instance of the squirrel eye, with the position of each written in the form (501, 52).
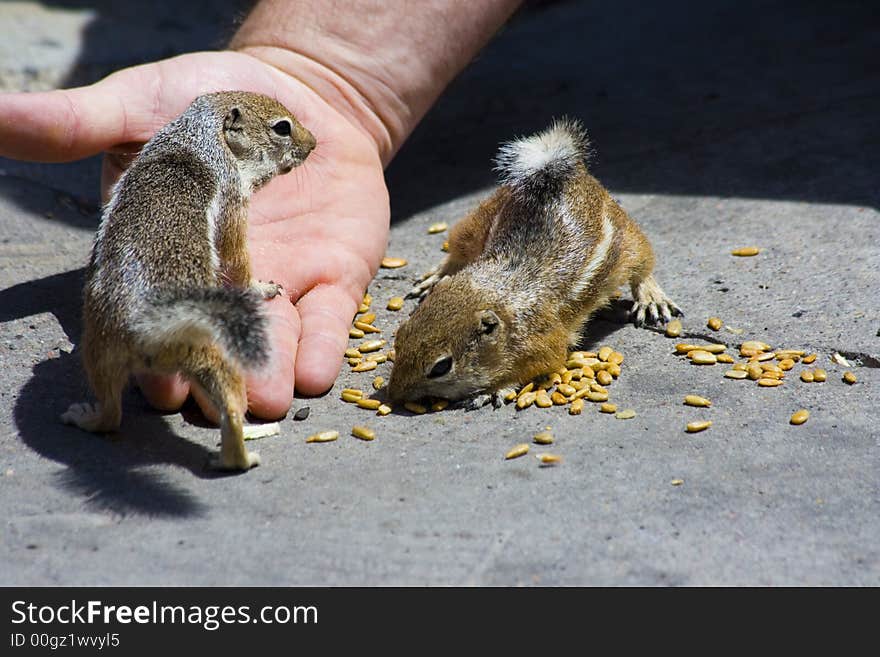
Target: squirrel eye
(282, 128)
(441, 367)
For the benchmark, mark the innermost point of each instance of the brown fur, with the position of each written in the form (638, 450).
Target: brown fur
(538, 255)
(152, 300)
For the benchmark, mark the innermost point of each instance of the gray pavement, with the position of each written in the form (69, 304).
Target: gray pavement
(716, 127)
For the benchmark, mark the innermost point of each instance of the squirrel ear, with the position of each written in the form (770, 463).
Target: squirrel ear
(489, 321)
(236, 136)
(232, 119)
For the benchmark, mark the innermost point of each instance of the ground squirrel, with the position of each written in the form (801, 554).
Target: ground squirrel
(168, 287)
(525, 271)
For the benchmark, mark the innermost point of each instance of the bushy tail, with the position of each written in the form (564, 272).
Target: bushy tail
(194, 316)
(538, 166)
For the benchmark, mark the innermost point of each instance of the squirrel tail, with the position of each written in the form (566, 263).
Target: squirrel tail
(538, 166)
(231, 318)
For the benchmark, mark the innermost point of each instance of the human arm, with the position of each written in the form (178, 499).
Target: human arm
(359, 75)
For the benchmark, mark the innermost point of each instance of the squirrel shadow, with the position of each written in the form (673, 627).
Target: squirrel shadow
(680, 98)
(113, 472)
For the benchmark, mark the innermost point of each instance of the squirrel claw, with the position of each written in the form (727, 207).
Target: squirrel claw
(268, 290)
(425, 285)
(477, 402)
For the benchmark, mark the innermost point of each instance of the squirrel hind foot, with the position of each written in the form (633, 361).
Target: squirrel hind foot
(91, 417)
(220, 464)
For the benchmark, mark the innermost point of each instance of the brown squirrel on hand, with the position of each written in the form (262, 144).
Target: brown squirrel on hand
(168, 287)
(525, 271)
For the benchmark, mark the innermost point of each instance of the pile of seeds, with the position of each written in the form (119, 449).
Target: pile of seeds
(586, 375)
(759, 362)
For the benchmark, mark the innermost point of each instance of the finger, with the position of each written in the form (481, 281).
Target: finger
(270, 388)
(69, 124)
(325, 313)
(165, 393)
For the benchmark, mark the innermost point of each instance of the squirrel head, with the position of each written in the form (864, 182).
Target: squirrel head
(453, 346)
(263, 136)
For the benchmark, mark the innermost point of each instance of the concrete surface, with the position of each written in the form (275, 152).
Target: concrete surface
(717, 126)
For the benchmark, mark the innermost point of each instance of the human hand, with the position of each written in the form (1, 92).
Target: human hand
(319, 231)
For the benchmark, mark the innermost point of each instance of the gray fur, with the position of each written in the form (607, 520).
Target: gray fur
(229, 317)
(538, 166)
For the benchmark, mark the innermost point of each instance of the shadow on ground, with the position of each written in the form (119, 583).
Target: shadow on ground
(772, 100)
(111, 472)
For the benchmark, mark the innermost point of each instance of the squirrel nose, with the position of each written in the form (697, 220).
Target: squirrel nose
(306, 141)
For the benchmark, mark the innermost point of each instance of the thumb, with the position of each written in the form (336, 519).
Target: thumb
(70, 124)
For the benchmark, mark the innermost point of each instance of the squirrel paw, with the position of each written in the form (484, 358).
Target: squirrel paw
(496, 399)
(425, 285)
(498, 396)
(650, 300)
(217, 463)
(665, 309)
(477, 402)
(89, 417)
(268, 290)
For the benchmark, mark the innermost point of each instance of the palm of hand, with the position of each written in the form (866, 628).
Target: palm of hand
(319, 231)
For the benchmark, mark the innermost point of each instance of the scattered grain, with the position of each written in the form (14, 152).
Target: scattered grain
(366, 328)
(549, 459)
(371, 345)
(543, 438)
(702, 357)
(673, 329)
(323, 437)
(520, 450)
(694, 427)
(392, 263)
(362, 432)
(799, 417)
(415, 407)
